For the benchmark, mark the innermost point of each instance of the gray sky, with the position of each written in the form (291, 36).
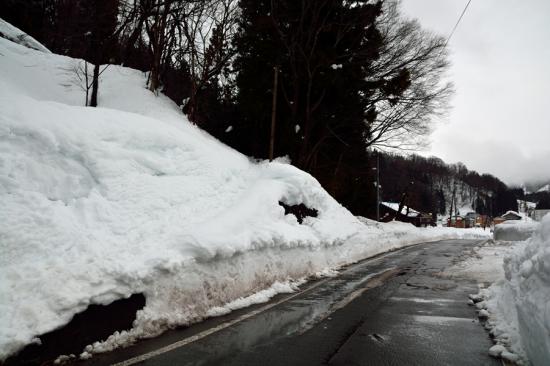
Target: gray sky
(500, 54)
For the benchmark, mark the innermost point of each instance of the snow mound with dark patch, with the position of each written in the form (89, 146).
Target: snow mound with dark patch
(102, 203)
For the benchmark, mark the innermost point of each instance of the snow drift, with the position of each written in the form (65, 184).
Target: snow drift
(102, 203)
(515, 230)
(16, 35)
(519, 305)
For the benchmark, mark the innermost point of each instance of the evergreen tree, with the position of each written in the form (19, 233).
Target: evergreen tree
(480, 206)
(544, 202)
(505, 200)
(324, 51)
(441, 202)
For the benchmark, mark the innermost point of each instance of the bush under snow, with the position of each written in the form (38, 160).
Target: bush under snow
(101, 203)
(519, 305)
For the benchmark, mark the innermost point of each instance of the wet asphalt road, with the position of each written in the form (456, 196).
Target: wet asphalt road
(396, 309)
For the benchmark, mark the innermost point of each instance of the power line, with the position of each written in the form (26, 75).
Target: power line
(458, 21)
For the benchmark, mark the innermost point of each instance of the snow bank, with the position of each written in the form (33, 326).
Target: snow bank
(515, 230)
(16, 35)
(519, 306)
(101, 203)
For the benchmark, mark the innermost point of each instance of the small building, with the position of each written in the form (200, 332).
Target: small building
(508, 216)
(483, 221)
(471, 219)
(457, 221)
(511, 215)
(498, 220)
(389, 211)
(526, 208)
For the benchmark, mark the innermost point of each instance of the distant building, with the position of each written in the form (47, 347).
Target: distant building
(508, 216)
(470, 220)
(511, 215)
(457, 221)
(389, 211)
(526, 208)
(473, 219)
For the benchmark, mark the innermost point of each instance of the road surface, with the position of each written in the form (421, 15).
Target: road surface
(395, 309)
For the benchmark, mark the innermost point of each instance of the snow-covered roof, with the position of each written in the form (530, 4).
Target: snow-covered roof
(395, 206)
(512, 214)
(463, 210)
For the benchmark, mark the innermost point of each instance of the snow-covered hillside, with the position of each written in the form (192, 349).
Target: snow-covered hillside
(463, 197)
(102, 203)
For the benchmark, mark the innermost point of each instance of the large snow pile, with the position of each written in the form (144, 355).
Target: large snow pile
(16, 35)
(101, 203)
(515, 230)
(519, 305)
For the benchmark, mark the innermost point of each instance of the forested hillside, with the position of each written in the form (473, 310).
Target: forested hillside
(431, 185)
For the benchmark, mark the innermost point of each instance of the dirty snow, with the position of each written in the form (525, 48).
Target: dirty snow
(102, 203)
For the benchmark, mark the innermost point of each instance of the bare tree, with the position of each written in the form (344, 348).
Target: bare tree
(85, 80)
(192, 35)
(307, 61)
(159, 27)
(207, 31)
(419, 59)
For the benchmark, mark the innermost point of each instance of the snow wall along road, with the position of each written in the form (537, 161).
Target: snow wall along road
(102, 203)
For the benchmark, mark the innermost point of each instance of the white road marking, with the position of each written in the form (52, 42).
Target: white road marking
(206, 333)
(222, 326)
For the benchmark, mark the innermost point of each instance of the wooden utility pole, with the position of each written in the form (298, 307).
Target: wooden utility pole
(377, 186)
(273, 112)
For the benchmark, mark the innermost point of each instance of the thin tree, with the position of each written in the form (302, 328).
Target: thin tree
(416, 60)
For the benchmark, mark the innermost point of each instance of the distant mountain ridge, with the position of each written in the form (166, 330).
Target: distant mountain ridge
(428, 184)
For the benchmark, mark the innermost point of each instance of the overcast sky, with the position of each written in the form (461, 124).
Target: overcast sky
(500, 56)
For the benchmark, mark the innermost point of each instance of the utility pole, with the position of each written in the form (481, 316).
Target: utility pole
(273, 112)
(452, 202)
(377, 185)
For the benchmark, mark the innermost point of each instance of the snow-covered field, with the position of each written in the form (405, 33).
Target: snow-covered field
(517, 304)
(101, 203)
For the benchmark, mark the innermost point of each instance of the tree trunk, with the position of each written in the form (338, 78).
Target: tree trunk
(95, 85)
(154, 77)
(273, 113)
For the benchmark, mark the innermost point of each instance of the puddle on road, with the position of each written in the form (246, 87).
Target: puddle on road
(295, 316)
(439, 320)
(424, 301)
